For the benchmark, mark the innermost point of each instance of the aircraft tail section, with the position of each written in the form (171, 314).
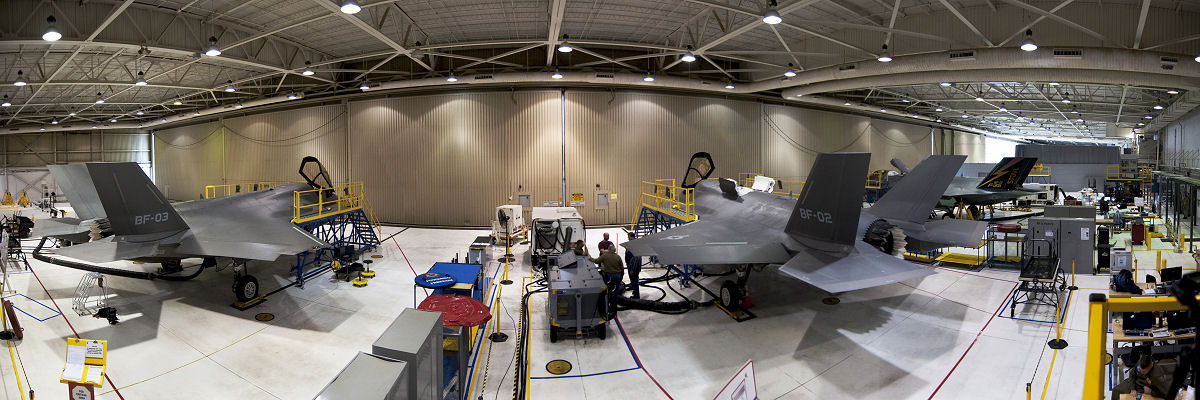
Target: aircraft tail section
(132, 203)
(826, 214)
(1009, 174)
(918, 193)
(77, 185)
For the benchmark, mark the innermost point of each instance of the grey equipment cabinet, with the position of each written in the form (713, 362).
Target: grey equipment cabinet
(577, 302)
(416, 337)
(369, 376)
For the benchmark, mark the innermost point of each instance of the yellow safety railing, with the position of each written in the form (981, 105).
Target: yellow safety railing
(1099, 308)
(215, 191)
(1040, 169)
(663, 196)
(1119, 173)
(746, 179)
(314, 204)
(875, 179)
(789, 187)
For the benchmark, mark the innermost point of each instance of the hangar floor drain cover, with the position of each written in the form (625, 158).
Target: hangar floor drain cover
(558, 367)
(829, 301)
(264, 317)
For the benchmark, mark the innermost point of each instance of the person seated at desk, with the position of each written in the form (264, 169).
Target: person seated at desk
(1145, 378)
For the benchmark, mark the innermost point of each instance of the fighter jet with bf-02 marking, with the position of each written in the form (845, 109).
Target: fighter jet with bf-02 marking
(123, 216)
(824, 237)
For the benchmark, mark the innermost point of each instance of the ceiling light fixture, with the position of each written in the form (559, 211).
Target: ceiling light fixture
(846, 103)
(1158, 106)
(112, 120)
(1197, 58)
(364, 86)
(966, 116)
(350, 7)
(939, 109)
(1066, 99)
(239, 105)
(51, 34)
(195, 113)
(556, 74)
(564, 47)
(5, 103)
(945, 83)
(1141, 124)
(54, 122)
(1172, 92)
(979, 97)
(882, 110)
(1053, 84)
(884, 57)
(771, 17)
(1029, 45)
(790, 72)
(689, 56)
(141, 80)
(42, 128)
(451, 78)
(177, 102)
(229, 86)
(99, 98)
(139, 112)
(729, 85)
(212, 47)
(307, 69)
(649, 77)
(72, 113)
(20, 79)
(293, 96)
(1149, 117)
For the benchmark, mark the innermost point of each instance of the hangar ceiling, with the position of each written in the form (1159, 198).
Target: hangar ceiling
(145, 59)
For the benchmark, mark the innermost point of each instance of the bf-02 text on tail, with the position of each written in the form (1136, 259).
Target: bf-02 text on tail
(820, 216)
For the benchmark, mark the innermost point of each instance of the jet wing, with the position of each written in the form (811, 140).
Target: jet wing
(108, 250)
(707, 242)
(255, 225)
(59, 226)
(861, 268)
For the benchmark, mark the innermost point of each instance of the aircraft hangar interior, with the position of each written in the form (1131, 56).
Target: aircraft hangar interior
(582, 199)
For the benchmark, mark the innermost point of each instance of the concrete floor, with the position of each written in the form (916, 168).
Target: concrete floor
(943, 336)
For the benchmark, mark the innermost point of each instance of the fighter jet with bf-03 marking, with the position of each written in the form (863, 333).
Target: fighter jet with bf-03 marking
(824, 237)
(123, 216)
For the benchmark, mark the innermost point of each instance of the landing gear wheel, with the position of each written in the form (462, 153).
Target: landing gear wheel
(731, 295)
(553, 335)
(245, 287)
(602, 331)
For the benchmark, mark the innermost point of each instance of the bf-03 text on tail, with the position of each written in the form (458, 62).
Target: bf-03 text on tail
(158, 217)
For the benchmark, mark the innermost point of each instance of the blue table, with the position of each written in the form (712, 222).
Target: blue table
(466, 280)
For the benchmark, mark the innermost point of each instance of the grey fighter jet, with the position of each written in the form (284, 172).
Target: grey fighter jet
(125, 217)
(1004, 183)
(824, 238)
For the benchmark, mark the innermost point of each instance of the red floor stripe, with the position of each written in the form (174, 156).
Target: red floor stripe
(110, 382)
(977, 335)
(639, 361)
(414, 270)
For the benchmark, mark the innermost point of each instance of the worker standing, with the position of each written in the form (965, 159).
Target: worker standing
(633, 265)
(612, 270)
(604, 244)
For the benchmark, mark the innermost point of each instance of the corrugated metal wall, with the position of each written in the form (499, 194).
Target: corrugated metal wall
(792, 137)
(615, 140)
(970, 145)
(25, 156)
(188, 158)
(1071, 154)
(450, 159)
(269, 147)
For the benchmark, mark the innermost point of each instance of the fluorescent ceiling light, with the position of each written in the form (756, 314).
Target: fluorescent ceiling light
(1029, 45)
(349, 7)
(51, 34)
(212, 47)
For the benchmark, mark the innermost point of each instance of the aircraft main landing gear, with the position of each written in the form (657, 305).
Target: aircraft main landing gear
(733, 292)
(245, 286)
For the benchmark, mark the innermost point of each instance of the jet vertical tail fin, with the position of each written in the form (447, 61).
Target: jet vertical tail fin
(826, 214)
(133, 205)
(1008, 174)
(919, 191)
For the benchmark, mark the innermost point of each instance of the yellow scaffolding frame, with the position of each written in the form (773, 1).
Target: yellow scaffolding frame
(339, 199)
(1099, 307)
(1118, 173)
(875, 179)
(663, 196)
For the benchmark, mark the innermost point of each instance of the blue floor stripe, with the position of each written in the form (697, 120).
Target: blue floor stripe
(56, 313)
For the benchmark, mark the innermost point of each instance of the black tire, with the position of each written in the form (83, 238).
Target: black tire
(731, 296)
(245, 287)
(602, 331)
(553, 334)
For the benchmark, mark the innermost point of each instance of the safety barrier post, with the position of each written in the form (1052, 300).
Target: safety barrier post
(1180, 249)
(1057, 343)
(1158, 261)
(1073, 287)
(1028, 391)
(1146, 236)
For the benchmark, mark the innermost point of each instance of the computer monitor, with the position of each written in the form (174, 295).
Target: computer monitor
(1139, 320)
(1170, 274)
(1178, 320)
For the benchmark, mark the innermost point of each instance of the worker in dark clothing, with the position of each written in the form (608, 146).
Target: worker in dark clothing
(633, 264)
(579, 248)
(604, 244)
(612, 270)
(1145, 378)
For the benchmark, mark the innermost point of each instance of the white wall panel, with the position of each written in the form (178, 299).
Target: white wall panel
(269, 147)
(188, 158)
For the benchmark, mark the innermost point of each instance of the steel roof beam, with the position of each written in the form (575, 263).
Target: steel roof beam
(329, 6)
